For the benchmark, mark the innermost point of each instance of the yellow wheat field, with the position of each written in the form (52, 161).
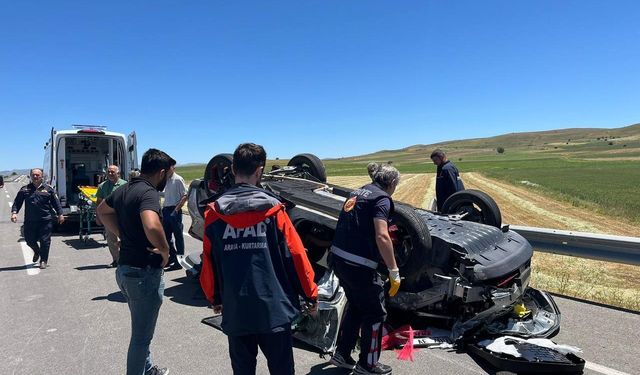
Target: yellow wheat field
(416, 189)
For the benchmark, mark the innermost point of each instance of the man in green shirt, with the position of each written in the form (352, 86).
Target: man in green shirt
(105, 189)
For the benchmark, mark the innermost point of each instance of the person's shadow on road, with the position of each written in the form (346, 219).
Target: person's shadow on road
(18, 268)
(186, 292)
(93, 267)
(79, 244)
(113, 297)
(327, 369)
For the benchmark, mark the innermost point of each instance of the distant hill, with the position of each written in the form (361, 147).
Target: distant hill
(16, 171)
(188, 164)
(579, 141)
(589, 144)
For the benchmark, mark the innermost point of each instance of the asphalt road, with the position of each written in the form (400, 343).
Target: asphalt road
(71, 319)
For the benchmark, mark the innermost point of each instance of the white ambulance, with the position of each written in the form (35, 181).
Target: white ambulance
(80, 157)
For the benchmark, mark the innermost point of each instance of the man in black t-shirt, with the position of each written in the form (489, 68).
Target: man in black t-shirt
(133, 214)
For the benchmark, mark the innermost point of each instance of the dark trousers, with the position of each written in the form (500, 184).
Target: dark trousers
(37, 234)
(172, 224)
(365, 311)
(277, 348)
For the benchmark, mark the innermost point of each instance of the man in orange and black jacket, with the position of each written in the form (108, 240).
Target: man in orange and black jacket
(255, 267)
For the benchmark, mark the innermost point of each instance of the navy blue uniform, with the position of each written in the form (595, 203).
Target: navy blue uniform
(448, 181)
(355, 258)
(39, 202)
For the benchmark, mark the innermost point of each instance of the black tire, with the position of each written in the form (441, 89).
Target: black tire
(411, 247)
(218, 174)
(202, 192)
(310, 164)
(477, 206)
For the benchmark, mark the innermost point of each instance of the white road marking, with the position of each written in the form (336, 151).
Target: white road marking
(602, 369)
(27, 253)
(8, 196)
(10, 204)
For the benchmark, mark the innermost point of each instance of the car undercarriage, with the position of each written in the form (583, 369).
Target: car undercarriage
(461, 268)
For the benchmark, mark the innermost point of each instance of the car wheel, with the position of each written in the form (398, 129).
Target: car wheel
(197, 193)
(218, 174)
(475, 206)
(411, 246)
(310, 164)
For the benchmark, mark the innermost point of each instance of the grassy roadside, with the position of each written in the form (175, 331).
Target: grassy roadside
(608, 283)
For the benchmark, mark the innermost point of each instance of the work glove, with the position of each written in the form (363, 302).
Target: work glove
(394, 280)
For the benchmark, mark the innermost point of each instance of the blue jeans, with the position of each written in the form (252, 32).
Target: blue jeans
(143, 289)
(172, 225)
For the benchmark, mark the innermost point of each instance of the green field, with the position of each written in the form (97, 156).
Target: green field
(191, 172)
(593, 168)
(607, 187)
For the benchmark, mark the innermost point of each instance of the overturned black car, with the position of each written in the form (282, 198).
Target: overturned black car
(461, 267)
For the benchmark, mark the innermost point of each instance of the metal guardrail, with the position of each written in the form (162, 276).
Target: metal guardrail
(619, 249)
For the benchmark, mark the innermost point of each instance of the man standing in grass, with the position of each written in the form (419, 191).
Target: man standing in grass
(104, 190)
(448, 179)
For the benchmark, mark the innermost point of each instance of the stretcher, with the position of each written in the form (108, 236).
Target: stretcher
(87, 207)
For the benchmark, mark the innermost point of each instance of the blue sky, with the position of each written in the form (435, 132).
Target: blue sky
(335, 78)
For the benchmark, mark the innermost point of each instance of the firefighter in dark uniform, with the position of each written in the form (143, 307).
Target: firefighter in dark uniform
(40, 201)
(448, 179)
(361, 241)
